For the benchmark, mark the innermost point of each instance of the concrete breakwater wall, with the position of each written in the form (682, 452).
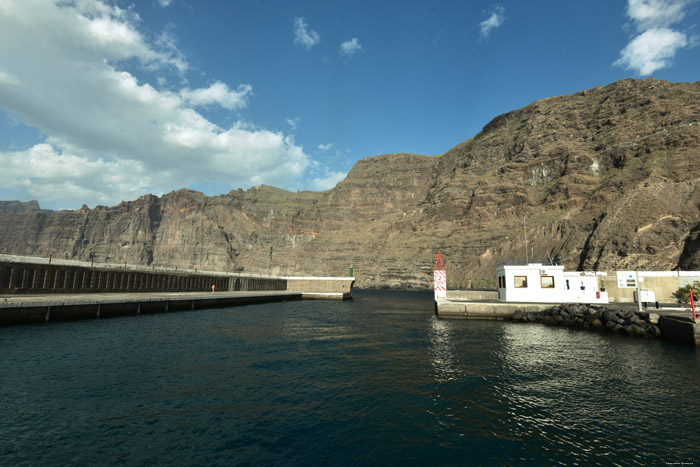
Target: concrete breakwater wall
(27, 275)
(41, 289)
(24, 309)
(674, 325)
(324, 288)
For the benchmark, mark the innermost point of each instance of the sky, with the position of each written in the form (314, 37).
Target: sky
(104, 101)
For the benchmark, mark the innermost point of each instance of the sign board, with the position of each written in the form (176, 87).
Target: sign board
(648, 296)
(440, 278)
(627, 279)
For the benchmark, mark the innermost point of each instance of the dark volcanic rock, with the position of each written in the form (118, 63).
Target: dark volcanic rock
(13, 207)
(589, 316)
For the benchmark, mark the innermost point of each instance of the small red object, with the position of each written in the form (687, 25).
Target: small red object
(439, 266)
(692, 302)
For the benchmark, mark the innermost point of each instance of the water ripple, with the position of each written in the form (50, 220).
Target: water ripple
(378, 380)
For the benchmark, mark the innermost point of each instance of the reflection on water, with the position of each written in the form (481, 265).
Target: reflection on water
(559, 395)
(376, 380)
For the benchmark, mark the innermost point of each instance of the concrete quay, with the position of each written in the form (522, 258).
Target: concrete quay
(22, 309)
(322, 288)
(484, 309)
(28, 275)
(675, 324)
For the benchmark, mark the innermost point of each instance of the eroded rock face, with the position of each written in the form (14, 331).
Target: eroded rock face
(608, 178)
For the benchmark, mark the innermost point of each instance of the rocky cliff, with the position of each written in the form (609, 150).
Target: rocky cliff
(608, 178)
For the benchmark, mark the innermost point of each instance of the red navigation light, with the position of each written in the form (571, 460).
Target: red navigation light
(439, 266)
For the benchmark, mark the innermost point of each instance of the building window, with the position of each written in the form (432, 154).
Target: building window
(520, 282)
(547, 282)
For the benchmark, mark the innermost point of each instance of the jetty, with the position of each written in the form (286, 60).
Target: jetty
(545, 293)
(45, 289)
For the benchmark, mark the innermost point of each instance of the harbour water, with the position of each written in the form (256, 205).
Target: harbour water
(377, 380)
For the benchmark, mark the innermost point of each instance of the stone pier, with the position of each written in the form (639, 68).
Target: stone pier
(42, 289)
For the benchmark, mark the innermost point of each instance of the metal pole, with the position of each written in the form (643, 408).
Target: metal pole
(639, 292)
(527, 259)
(692, 302)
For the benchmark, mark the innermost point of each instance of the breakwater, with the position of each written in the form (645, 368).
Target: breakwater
(24, 309)
(33, 275)
(43, 289)
(29, 275)
(629, 322)
(676, 325)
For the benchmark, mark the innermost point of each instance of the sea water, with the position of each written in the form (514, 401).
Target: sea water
(377, 380)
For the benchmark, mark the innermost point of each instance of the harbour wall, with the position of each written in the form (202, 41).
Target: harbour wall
(677, 326)
(324, 288)
(663, 283)
(33, 275)
(42, 289)
(25, 309)
(29, 275)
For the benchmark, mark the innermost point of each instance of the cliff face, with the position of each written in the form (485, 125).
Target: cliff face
(608, 178)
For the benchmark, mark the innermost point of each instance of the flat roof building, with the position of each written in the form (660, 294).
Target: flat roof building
(547, 283)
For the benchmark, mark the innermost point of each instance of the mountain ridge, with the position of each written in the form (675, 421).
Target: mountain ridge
(609, 178)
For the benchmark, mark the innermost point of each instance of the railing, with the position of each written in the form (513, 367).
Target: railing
(523, 261)
(45, 275)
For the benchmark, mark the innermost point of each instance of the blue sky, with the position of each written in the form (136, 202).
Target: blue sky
(106, 101)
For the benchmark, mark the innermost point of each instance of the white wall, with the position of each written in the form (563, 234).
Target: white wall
(582, 287)
(534, 291)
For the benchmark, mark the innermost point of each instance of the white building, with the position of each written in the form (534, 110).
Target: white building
(543, 283)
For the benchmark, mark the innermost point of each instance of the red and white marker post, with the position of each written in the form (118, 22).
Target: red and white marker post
(440, 280)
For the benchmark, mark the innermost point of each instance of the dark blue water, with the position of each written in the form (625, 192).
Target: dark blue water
(373, 381)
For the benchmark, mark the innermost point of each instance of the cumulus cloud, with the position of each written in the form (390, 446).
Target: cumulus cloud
(303, 37)
(650, 14)
(495, 19)
(217, 93)
(350, 48)
(325, 147)
(328, 181)
(656, 43)
(652, 50)
(113, 136)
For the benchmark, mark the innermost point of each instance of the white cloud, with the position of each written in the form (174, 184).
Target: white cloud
(165, 3)
(112, 136)
(495, 19)
(656, 44)
(293, 122)
(650, 14)
(325, 147)
(651, 51)
(330, 180)
(218, 93)
(350, 48)
(41, 173)
(303, 37)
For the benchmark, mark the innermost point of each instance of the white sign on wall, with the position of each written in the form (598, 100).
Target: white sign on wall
(627, 279)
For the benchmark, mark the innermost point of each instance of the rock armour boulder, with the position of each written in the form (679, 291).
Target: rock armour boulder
(623, 321)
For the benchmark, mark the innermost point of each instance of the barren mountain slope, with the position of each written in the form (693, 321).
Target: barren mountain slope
(608, 178)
